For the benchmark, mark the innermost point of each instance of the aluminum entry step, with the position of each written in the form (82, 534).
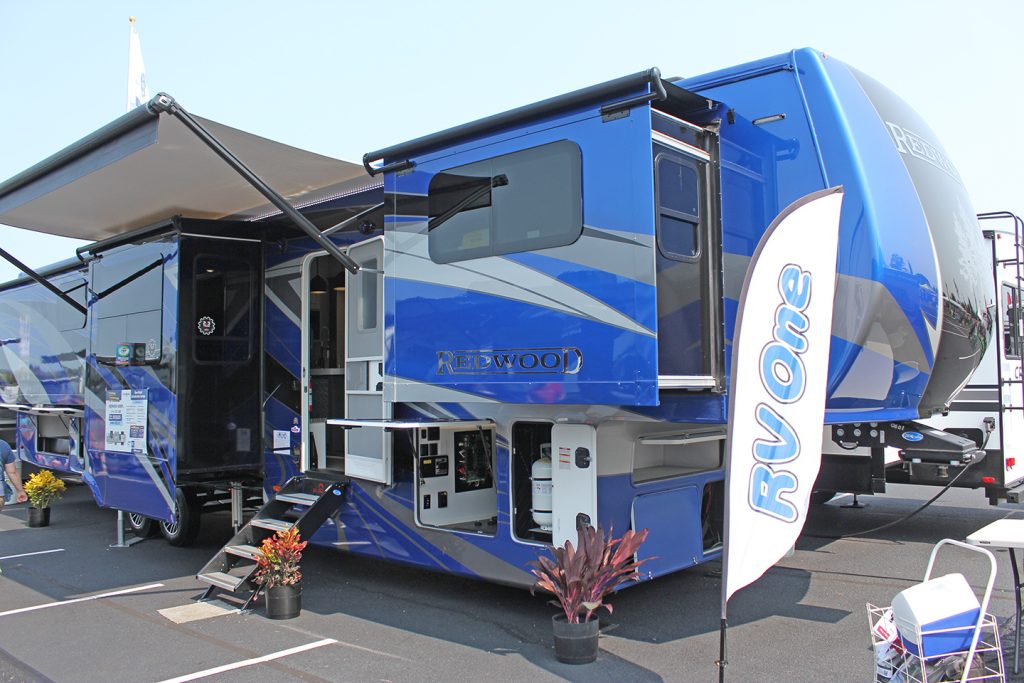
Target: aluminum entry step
(222, 580)
(247, 551)
(272, 524)
(297, 498)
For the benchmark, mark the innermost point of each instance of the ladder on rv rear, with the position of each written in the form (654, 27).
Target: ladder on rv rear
(1013, 312)
(1016, 305)
(304, 502)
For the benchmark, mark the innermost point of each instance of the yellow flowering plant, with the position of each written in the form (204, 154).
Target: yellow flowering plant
(42, 488)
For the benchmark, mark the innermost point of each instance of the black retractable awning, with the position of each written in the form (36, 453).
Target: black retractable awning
(147, 166)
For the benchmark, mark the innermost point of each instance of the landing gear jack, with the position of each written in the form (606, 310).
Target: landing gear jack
(855, 505)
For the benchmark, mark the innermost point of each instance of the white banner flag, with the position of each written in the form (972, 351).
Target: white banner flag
(138, 91)
(779, 372)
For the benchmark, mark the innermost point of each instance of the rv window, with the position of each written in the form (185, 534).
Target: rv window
(1012, 330)
(67, 318)
(223, 300)
(368, 296)
(128, 306)
(679, 190)
(526, 200)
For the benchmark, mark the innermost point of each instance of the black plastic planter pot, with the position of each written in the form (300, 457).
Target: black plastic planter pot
(38, 517)
(575, 643)
(284, 602)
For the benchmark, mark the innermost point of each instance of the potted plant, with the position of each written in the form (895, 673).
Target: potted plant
(42, 488)
(278, 573)
(581, 579)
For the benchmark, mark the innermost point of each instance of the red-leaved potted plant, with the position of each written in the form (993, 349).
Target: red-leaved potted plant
(582, 579)
(278, 572)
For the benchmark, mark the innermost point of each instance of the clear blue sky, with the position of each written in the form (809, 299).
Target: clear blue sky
(344, 78)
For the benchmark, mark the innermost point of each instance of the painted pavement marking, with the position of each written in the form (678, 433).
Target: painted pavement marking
(250, 662)
(41, 552)
(90, 597)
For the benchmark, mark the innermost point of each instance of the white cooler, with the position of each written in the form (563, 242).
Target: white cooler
(946, 602)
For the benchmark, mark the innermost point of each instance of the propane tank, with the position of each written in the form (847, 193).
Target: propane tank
(540, 476)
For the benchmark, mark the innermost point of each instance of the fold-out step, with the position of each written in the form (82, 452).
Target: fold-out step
(248, 551)
(272, 524)
(222, 580)
(297, 498)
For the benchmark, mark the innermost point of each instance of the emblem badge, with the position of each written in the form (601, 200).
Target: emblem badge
(206, 326)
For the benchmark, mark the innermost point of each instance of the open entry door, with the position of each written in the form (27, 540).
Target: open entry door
(574, 480)
(368, 448)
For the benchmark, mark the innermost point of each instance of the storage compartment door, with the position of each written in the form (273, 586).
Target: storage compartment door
(367, 449)
(574, 480)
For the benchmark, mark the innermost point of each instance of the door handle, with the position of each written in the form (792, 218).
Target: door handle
(582, 458)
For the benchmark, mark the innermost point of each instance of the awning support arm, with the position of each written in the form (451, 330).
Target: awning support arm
(165, 103)
(44, 282)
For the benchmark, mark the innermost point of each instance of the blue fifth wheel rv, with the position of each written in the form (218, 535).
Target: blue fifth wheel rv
(453, 353)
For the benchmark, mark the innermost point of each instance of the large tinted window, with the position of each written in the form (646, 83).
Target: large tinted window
(128, 300)
(516, 202)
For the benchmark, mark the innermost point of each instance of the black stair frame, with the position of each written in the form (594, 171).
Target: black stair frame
(304, 502)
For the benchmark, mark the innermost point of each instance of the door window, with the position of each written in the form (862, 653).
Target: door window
(223, 296)
(1011, 322)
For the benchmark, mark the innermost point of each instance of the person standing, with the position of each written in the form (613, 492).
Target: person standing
(9, 472)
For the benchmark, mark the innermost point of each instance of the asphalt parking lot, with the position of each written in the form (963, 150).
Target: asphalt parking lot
(74, 609)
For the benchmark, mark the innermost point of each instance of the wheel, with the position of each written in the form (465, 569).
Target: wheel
(821, 497)
(141, 526)
(184, 529)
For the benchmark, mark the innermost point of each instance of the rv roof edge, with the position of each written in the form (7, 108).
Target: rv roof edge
(591, 94)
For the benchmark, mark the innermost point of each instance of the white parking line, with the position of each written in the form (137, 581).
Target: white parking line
(91, 597)
(250, 662)
(41, 552)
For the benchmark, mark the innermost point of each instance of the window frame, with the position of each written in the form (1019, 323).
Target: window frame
(695, 165)
(197, 338)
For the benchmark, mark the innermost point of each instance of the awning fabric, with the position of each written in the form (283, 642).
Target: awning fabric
(144, 168)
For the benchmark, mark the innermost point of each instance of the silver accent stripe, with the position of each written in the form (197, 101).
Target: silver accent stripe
(498, 277)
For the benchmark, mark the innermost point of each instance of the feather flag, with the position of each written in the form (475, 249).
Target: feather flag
(138, 91)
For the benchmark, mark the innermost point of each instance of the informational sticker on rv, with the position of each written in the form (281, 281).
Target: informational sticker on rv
(124, 354)
(127, 417)
(282, 439)
(564, 458)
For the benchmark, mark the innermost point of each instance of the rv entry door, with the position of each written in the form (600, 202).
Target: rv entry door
(573, 479)
(367, 449)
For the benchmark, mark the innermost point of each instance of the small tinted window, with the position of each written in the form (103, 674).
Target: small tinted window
(224, 318)
(679, 207)
(368, 296)
(1011, 322)
(515, 202)
(68, 318)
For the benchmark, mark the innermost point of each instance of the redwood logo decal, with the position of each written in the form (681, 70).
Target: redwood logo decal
(562, 360)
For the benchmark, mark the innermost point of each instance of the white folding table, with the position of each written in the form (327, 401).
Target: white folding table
(1006, 533)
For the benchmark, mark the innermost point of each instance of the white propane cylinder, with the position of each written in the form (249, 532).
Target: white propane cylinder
(540, 476)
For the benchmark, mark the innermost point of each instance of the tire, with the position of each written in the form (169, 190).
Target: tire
(821, 497)
(142, 526)
(184, 529)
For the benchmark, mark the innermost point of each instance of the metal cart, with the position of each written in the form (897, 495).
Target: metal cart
(982, 661)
